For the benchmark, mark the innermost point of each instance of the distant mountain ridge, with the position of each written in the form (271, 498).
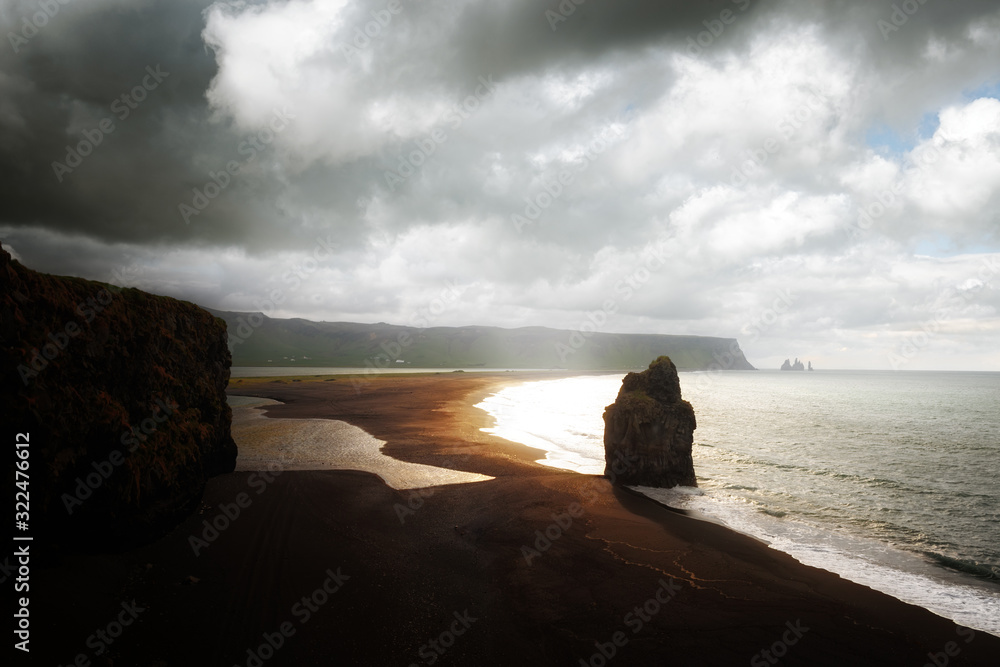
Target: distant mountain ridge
(258, 340)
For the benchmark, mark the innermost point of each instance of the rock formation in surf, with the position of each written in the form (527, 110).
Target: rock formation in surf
(649, 430)
(121, 395)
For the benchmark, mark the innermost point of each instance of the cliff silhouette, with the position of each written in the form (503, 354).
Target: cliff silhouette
(122, 396)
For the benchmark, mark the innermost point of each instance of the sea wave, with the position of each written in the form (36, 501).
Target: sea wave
(909, 512)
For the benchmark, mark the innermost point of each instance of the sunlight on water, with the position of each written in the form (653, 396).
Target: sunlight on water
(888, 479)
(562, 417)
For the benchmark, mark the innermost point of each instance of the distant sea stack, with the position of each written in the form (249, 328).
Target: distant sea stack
(121, 395)
(649, 430)
(797, 366)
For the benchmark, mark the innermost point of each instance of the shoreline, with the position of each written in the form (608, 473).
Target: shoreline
(552, 565)
(267, 443)
(470, 404)
(910, 576)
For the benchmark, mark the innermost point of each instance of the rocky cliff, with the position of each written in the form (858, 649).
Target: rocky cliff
(649, 430)
(122, 395)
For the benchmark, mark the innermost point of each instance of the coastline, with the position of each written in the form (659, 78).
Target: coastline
(475, 549)
(766, 492)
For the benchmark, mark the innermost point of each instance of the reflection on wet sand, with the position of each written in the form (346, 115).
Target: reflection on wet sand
(325, 444)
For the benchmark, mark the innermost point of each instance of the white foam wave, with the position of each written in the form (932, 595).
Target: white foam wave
(563, 418)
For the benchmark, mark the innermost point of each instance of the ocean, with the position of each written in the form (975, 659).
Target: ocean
(889, 479)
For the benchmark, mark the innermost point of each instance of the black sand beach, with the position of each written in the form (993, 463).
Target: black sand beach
(534, 567)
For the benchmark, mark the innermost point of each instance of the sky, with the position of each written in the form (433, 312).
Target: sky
(818, 179)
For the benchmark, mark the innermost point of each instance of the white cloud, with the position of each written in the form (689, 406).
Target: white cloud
(746, 166)
(743, 166)
(960, 191)
(291, 55)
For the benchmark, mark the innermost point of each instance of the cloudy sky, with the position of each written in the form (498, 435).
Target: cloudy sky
(817, 179)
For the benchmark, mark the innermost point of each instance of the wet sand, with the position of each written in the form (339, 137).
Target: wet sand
(326, 444)
(464, 574)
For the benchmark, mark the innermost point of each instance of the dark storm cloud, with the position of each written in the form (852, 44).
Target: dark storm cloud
(90, 65)
(65, 81)
(651, 107)
(526, 36)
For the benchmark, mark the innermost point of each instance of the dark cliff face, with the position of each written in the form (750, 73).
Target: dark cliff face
(123, 395)
(649, 430)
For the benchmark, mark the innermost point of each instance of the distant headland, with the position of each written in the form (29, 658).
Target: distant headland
(258, 340)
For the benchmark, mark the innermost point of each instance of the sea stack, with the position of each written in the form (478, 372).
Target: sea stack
(649, 430)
